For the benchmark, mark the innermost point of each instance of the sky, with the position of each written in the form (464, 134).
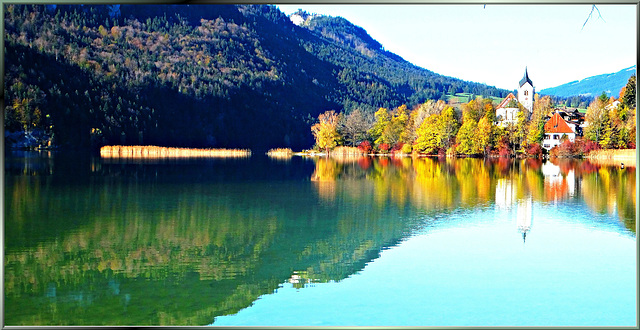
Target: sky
(493, 44)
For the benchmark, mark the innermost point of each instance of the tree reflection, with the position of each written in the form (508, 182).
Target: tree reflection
(443, 184)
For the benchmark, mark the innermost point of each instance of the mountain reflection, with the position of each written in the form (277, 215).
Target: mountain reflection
(165, 244)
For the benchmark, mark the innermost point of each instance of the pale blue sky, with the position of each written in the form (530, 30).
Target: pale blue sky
(493, 45)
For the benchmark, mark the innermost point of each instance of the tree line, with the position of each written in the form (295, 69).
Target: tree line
(437, 128)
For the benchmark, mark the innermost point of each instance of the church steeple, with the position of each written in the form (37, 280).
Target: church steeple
(526, 78)
(526, 91)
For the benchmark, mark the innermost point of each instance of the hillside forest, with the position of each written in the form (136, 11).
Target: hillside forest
(197, 75)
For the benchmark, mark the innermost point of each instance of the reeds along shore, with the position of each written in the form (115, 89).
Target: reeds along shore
(280, 153)
(165, 152)
(614, 157)
(613, 154)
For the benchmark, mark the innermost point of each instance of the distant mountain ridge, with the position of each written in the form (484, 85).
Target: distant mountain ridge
(610, 83)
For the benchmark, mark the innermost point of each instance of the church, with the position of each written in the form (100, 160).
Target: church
(507, 110)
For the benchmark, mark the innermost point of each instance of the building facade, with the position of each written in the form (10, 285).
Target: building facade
(555, 130)
(506, 112)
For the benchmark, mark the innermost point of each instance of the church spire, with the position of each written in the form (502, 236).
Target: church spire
(526, 78)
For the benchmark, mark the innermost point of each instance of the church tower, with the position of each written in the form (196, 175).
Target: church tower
(526, 92)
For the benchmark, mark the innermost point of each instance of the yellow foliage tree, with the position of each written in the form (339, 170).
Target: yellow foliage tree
(326, 130)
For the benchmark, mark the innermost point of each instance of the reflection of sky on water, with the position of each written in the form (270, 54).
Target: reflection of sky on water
(473, 268)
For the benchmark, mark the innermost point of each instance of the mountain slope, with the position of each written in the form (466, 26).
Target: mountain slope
(198, 75)
(610, 83)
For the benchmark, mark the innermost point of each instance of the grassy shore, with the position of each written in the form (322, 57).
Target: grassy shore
(280, 153)
(613, 157)
(165, 152)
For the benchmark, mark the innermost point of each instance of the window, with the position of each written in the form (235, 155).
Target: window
(526, 93)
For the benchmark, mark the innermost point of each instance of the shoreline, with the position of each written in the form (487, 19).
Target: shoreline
(615, 157)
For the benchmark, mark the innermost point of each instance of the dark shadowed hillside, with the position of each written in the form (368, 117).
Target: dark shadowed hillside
(197, 75)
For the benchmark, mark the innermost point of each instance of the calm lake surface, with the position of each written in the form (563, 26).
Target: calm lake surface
(318, 242)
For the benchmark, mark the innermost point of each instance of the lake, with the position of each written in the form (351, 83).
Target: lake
(318, 242)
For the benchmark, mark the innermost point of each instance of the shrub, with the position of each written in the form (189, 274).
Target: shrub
(504, 152)
(397, 147)
(564, 149)
(534, 150)
(365, 147)
(383, 147)
(406, 148)
(589, 146)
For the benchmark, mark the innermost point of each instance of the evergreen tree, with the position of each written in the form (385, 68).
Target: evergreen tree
(609, 134)
(628, 93)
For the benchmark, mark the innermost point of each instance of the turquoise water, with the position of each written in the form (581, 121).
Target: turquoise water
(475, 272)
(314, 241)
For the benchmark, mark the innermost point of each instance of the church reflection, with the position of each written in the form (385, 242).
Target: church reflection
(524, 216)
(507, 198)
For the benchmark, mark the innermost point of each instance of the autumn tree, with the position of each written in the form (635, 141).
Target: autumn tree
(429, 138)
(520, 131)
(325, 131)
(382, 119)
(466, 137)
(474, 109)
(393, 128)
(541, 108)
(401, 125)
(426, 109)
(449, 127)
(354, 126)
(437, 132)
(595, 117)
(26, 114)
(484, 134)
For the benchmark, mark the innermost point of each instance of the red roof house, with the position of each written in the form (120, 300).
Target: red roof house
(554, 129)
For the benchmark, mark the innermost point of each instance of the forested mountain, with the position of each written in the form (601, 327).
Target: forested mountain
(197, 75)
(610, 83)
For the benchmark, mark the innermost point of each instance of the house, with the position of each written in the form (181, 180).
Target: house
(612, 105)
(574, 119)
(507, 110)
(555, 129)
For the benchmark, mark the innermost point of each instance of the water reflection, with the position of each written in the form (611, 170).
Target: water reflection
(93, 242)
(434, 184)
